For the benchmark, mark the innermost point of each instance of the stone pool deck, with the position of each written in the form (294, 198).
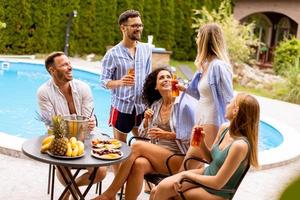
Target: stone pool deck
(24, 178)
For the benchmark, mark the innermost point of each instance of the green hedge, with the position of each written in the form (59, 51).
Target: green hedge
(34, 26)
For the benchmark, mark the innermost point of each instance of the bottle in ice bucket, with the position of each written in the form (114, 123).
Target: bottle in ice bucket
(197, 136)
(175, 90)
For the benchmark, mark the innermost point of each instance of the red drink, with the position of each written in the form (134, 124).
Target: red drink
(175, 90)
(197, 136)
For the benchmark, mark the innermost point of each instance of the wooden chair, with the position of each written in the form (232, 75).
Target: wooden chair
(154, 178)
(231, 192)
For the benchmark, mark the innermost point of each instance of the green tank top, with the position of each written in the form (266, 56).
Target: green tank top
(218, 158)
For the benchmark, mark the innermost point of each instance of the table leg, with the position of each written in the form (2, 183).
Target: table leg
(92, 179)
(52, 181)
(70, 182)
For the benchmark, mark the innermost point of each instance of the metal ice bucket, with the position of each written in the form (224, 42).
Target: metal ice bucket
(76, 126)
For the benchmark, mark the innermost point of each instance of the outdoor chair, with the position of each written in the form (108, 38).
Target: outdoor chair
(231, 192)
(51, 174)
(154, 178)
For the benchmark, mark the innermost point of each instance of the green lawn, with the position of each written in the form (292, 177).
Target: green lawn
(176, 64)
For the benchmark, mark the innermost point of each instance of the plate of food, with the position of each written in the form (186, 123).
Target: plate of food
(108, 144)
(107, 154)
(64, 157)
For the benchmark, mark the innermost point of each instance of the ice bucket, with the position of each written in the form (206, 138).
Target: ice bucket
(76, 126)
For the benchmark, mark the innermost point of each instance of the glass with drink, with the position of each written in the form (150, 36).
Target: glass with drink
(175, 90)
(131, 71)
(153, 125)
(197, 136)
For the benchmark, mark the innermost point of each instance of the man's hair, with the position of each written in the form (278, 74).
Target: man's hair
(50, 59)
(128, 14)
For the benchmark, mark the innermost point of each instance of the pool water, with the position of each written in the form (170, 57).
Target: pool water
(18, 103)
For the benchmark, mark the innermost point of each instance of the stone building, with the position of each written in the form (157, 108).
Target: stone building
(275, 20)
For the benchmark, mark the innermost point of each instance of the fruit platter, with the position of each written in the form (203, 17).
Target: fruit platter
(58, 146)
(107, 154)
(108, 144)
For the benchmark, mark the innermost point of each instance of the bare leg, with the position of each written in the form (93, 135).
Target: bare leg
(200, 194)
(119, 135)
(135, 131)
(135, 179)
(140, 149)
(211, 133)
(122, 137)
(84, 178)
(165, 189)
(61, 180)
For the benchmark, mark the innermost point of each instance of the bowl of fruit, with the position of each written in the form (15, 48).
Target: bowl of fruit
(59, 146)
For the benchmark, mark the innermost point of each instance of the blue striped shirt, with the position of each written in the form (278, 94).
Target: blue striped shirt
(220, 81)
(116, 63)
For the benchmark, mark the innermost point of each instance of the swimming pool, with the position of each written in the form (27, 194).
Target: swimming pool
(18, 103)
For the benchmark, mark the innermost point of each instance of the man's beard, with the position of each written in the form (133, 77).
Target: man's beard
(135, 36)
(63, 77)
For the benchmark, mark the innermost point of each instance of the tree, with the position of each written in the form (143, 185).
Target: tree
(18, 19)
(138, 5)
(151, 18)
(166, 36)
(238, 37)
(87, 23)
(40, 26)
(107, 25)
(184, 48)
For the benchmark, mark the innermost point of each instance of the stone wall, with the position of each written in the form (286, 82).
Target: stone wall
(252, 77)
(160, 59)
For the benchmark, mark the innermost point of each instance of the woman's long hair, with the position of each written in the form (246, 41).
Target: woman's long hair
(246, 122)
(150, 94)
(210, 42)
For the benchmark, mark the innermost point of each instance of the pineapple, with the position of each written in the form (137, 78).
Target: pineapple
(59, 144)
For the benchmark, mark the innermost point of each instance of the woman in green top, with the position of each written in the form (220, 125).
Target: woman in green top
(235, 146)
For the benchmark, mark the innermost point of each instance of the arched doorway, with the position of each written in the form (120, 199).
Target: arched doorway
(263, 31)
(270, 28)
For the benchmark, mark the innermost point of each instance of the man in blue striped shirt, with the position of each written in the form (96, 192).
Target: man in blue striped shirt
(125, 67)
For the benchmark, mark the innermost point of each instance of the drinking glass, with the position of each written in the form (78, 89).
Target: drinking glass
(131, 71)
(197, 136)
(153, 125)
(175, 90)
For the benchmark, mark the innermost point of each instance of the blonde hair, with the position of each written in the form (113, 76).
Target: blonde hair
(210, 42)
(246, 122)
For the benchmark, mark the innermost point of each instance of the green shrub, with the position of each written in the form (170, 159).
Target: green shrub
(286, 63)
(2, 25)
(287, 56)
(238, 37)
(293, 77)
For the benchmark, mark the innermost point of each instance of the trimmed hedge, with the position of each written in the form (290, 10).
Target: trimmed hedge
(34, 26)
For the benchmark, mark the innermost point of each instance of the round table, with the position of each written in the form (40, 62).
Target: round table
(31, 148)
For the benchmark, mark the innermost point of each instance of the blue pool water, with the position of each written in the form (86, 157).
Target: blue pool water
(18, 103)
